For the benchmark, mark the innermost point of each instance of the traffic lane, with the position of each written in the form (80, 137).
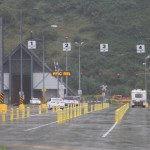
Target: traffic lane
(83, 132)
(132, 132)
(27, 122)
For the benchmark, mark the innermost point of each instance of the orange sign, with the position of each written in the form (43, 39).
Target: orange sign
(61, 73)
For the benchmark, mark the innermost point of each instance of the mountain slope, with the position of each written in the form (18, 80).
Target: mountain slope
(121, 24)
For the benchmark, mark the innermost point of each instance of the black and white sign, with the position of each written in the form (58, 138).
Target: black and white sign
(66, 46)
(104, 88)
(140, 48)
(31, 44)
(103, 47)
(79, 92)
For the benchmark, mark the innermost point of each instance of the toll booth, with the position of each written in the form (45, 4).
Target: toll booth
(30, 74)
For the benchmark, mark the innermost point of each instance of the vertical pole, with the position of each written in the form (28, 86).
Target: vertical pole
(1, 64)
(43, 40)
(79, 71)
(10, 79)
(32, 77)
(66, 71)
(57, 75)
(146, 77)
(21, 69)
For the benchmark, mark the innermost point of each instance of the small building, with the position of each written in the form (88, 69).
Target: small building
(30, 76)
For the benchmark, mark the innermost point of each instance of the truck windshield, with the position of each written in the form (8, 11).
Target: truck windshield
(138, 95)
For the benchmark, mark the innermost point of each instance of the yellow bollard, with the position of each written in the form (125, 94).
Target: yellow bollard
(75, 112)
(91, 108)
(57, 108)
(84, 110)
(3, 116)
(46, 110)
(80, 110)
(23, 114)
(11, 114)
(40, 111)
(28, 111)
(63, 114)
(94, 107)
(58, 117)
(17, 113)
(67, 113)
(70, 112)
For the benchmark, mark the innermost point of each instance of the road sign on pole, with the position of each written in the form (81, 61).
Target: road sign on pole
(103, 47)
(140, 48)
(31, 44)
(66, 46)
(80, 92)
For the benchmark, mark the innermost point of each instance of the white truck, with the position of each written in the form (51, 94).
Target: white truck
(138, 98)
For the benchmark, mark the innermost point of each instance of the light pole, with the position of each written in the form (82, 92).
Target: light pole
(79, 90)
(43, 59)
(145, 64)
(43, 50)
(21, 93)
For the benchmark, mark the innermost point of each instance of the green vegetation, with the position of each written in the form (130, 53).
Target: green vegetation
(121, 23)
(3, 148)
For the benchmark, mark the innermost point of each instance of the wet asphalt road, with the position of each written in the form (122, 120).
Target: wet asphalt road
(41, 132)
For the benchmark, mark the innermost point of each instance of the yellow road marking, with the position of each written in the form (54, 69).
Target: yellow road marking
(35, 146)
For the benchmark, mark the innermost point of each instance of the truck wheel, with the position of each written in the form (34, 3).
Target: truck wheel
(132, 106)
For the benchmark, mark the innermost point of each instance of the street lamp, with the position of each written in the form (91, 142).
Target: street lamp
(43, 49)
(145, 63)
(79, 90)
(21, 93)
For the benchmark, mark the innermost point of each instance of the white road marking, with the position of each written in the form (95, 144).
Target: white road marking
(43, 125)
(110, 130)
(40, 126)
(27, 117)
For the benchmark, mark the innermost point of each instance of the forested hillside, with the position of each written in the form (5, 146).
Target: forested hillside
(121, 23)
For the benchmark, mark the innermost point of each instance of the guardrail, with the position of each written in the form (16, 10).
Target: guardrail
(120, 112)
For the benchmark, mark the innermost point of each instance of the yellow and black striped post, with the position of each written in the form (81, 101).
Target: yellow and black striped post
(21, 100)
(1, 98)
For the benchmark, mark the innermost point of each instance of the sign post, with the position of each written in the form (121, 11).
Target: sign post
(66, 48)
